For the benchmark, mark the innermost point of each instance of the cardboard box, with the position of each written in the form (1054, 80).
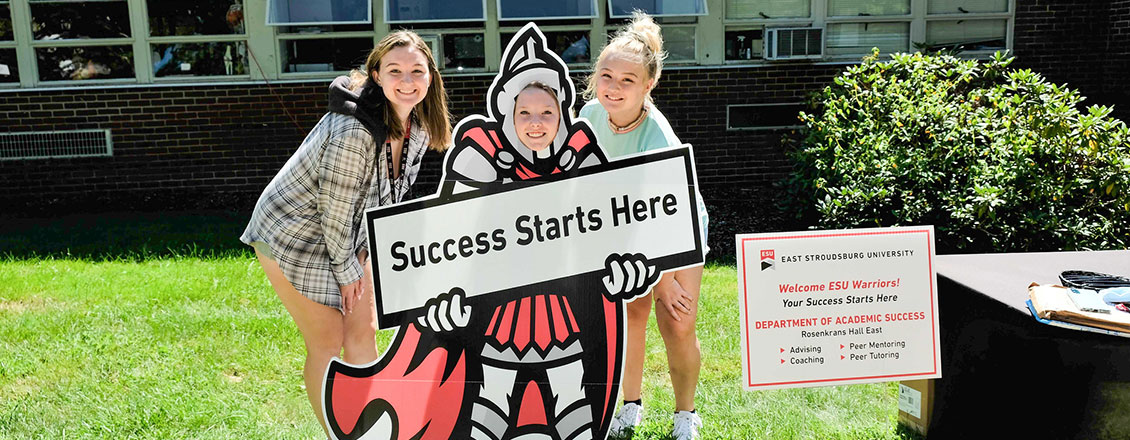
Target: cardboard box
(916, 404)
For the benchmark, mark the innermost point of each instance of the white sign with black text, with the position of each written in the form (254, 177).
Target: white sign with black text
(533, 233)
(838, 307)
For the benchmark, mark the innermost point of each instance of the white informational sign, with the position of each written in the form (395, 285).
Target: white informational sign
(529, 233)
(838, 307)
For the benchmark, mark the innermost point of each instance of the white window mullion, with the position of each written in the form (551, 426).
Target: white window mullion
(492, 37)
(25, 55)
(1010, 27)
(710, 34)
(139, 30)
(262, 44)
(820, 20)
(918, 23)
(380, 24)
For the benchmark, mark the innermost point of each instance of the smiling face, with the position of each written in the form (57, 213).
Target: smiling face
(404, 77)
(621, 86)
(536, 117)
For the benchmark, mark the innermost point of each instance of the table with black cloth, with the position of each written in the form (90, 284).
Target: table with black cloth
(1006, 375)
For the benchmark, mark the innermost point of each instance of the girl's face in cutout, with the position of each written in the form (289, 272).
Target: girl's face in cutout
(404, 78)
(536, 118)
(621, 87)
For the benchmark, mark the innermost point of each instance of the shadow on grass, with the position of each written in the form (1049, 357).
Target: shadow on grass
(124, 235)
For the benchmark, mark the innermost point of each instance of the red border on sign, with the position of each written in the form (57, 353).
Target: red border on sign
(745, 305)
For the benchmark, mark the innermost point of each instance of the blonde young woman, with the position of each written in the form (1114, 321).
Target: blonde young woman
(307, 227)
(626, 121)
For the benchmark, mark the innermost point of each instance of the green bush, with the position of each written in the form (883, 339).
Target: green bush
(997, 159)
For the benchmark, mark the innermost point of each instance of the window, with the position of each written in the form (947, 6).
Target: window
(9, 71)
(743, 44)
(82, 40)
(195, 39)
(463, 51)
(200, 17)
(5, 22)
(768, 9)
(856, 38)
(324, 54)
(293, 12)
(679, 43)
(70, 20)
(658, 8)
(868, 7)
(966, 6)
(967, 34)
(85, 62)
(529, 10)
(967, 25)
(435, 10)
(571, 46)
(315, 50)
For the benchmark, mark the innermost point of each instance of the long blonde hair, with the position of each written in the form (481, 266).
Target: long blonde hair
(432, 111)
(642, 41)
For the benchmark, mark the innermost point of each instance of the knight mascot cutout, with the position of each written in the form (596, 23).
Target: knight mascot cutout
(538, 362)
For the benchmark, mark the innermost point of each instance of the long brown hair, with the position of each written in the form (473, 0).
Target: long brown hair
(432, 111)
(640, 39)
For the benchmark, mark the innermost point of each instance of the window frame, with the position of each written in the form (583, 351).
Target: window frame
(387, 5)
(368, 13)
(595, 14)
(292, 36)
(705, 12)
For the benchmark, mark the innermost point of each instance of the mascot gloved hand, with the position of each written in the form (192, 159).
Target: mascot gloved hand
(628, 276)
(446, 312)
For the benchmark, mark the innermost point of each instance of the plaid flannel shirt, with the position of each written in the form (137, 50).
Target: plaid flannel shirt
(311, 214)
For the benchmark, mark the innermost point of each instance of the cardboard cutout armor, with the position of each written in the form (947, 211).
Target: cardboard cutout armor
(538, 362)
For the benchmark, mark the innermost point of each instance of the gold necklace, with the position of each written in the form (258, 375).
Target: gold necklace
(631, 126)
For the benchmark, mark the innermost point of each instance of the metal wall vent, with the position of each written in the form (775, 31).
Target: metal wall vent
(55, 144)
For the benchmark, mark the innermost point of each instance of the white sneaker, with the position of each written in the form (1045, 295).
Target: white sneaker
(627, 419)
(687, 425)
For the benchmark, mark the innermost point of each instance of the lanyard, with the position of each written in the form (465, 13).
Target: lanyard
(403, 161)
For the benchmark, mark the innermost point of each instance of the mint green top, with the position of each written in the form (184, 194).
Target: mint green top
(653, 133)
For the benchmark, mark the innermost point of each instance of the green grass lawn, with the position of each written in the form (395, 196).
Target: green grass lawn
(183, 340)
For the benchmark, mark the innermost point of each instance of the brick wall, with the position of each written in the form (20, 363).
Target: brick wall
(196, 146)
(1081, 43)
(1117, 79)
(217, 146)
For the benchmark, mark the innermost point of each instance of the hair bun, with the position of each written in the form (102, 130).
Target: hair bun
(647, 31)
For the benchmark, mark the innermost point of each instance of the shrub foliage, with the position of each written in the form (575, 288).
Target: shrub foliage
(997, 159)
